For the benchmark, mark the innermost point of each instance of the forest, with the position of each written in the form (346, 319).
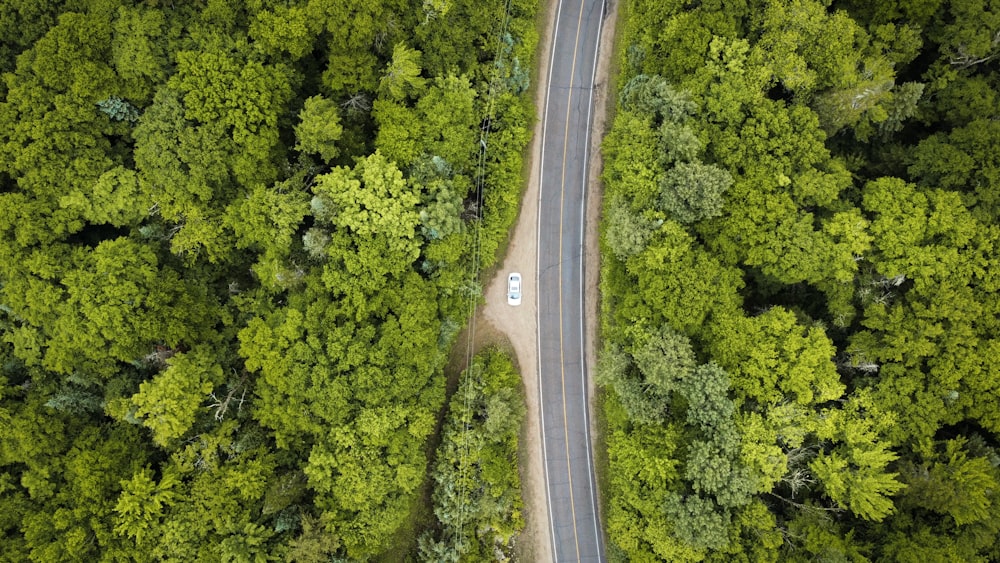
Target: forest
(238, 239)
(800, 261)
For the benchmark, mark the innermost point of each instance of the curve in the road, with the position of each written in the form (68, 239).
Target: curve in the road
(570, 482)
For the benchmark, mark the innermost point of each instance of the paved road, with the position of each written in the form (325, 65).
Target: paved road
(571, 486)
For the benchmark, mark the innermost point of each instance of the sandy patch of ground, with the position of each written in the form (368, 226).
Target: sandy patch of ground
(519, 324)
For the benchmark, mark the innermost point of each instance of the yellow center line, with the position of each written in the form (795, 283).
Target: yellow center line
(562, 197)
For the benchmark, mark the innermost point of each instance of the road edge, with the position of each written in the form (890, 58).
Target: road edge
(592, 256)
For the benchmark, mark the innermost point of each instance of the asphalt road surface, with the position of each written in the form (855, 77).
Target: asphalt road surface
(570, 483)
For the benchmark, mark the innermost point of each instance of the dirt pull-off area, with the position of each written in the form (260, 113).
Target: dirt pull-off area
(519, 324)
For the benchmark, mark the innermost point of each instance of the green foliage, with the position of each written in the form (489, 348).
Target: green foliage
(836, 290)
(477, 493)
(402, 74)
(314, 242)
(678, 143)
(679, 282)
(284, 29)
(691, 192)
(809, 48)
(442, 125)
(821, 536)
(224, 314)
(364, 469)
(845, 107)
(910, 221)
(855, 473)
(901, 106)
(374, 212)
(626, 233)
(653, 96)
(969, 36)
(774, 359)
(137, 52)
(74, 499)
(313, 545)
(633, 166)
(665, 359)
(111, 199)
(243, 97)
(319, 128)
(962, 161)
(168, 403)
(142, 502)
(644, 465)
(22, 23)
(708, 404)
(442, 199)
(75, 399)
(503, 163)
(450, 121)
(213, 515)
(113, 303)
(268, 218)
(697, 521)
(118, 109)
(953, 483)
(859, 483)
(643, 403)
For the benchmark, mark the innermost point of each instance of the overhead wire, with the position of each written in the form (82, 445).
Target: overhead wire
(474, 281)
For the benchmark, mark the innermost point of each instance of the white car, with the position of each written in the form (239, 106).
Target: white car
(514, 289)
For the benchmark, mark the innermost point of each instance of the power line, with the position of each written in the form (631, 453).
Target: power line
(480, 182)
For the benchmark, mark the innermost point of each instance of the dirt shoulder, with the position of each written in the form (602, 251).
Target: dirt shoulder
(520, 324)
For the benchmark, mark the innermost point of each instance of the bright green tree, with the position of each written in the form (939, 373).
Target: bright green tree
(375, 214)
(169, 403)
(285, 29)
(319, 128)
(772, 358)
(952, 482)
(402, 74)
(139, 58)
(678, 282)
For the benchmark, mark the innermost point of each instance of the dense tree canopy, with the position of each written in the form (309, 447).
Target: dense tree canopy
(799, 287)
(235, 245)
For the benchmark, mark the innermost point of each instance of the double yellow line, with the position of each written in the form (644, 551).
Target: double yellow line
(562, 198)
